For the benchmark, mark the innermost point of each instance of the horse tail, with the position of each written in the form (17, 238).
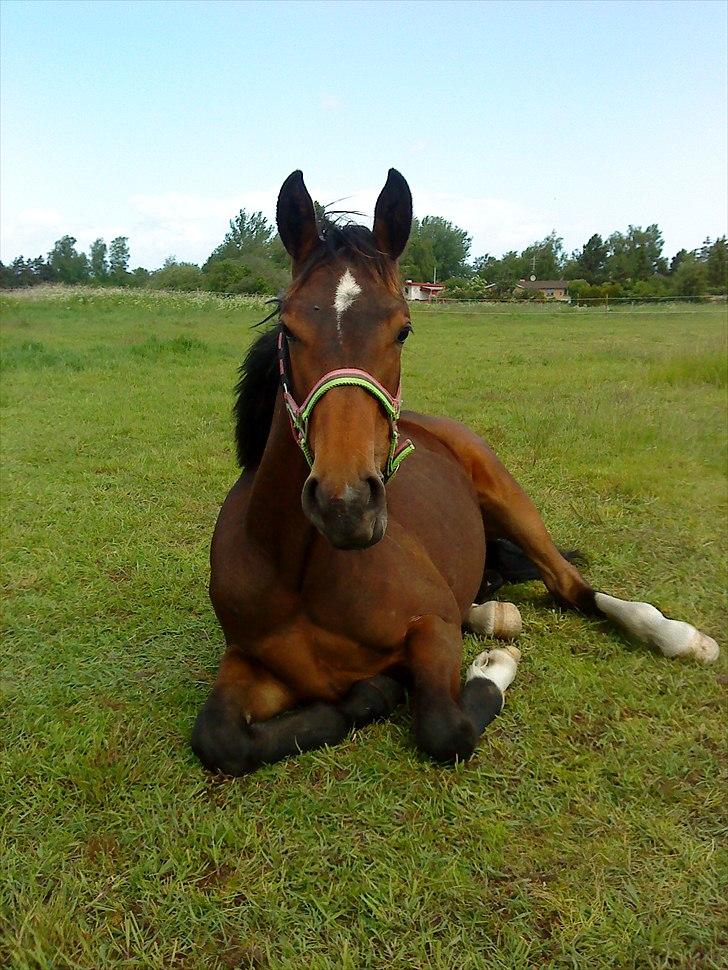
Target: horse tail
(506, 562)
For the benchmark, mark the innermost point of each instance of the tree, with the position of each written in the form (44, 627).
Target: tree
(68, 265)
(469, 288)
(246, 234)
(139, 276)
(591, 263)
(690, 278)
(42, 272)
(545, 259)
(119, 259)
(716, 264)
(436, 246)
(679, 257)
(636, 254)
(99, 265)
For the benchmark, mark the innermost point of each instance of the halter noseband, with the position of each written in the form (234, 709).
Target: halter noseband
(300, 416)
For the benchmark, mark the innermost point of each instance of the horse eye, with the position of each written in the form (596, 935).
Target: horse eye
(404, 333)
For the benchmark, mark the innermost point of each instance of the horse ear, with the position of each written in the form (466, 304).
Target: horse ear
(296, 218)
(393, 215)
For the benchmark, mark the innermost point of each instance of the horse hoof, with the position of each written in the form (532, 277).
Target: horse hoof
(703, 648)
(493, 619)
(498, 665)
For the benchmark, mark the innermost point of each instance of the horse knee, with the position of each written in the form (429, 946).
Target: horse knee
(370, 700)
(446, 739)
(221, 741)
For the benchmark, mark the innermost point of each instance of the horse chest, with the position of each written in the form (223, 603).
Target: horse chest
(316, 661)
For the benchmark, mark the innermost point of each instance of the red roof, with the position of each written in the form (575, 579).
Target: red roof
(427, 286)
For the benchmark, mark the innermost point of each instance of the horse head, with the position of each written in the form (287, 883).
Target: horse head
(343, 322)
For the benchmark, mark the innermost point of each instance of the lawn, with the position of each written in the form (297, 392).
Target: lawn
(586, 832)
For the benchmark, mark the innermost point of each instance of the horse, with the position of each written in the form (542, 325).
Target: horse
(349, 554)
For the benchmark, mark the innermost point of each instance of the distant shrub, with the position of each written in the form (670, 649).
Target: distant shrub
(178, 276)
(254, 274)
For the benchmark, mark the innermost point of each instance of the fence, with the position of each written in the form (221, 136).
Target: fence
(608, 304)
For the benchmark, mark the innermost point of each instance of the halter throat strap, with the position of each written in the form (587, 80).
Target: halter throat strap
(300, 415)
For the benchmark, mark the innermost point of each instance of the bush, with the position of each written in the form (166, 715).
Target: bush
(178, 276)
(254, 274)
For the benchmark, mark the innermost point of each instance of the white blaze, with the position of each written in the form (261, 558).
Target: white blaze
(671, 637)
(347, 290)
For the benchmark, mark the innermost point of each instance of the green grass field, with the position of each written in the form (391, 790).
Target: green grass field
(586, 832)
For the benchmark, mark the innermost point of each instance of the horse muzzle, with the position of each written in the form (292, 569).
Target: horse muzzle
(351, 517)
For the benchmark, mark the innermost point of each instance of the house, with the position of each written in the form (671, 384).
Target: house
(551, 289)
(422, 291)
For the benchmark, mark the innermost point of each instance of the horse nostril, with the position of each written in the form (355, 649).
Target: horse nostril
(376, 489)
(308, 496)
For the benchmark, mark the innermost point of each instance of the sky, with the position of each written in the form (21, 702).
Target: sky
(159, 120)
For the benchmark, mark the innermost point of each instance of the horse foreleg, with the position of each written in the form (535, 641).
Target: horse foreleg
(447, 720)
(226, 737)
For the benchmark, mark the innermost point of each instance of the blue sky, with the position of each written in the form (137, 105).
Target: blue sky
(159, 120)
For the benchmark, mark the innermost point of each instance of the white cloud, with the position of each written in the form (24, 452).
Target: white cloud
(189, 225)
(331, 102)
(186, 225)
(495, 224)
(28, 232)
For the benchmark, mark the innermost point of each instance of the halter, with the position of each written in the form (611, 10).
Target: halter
(300, 416)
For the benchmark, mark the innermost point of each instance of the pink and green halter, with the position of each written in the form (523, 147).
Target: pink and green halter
(300, 415)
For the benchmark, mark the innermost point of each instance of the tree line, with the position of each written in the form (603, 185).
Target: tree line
(251, 259)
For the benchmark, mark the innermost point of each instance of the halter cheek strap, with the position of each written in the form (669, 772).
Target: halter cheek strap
(300, 416)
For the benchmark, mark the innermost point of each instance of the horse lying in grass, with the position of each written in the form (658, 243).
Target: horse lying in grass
(337, 583)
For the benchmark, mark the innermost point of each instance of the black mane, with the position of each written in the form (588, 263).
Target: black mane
(258, 382)
(255, 398)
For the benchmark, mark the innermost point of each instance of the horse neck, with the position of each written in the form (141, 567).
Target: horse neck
(274, 517)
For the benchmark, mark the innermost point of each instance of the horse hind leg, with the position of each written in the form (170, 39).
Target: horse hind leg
(512, 515)
(673, 638)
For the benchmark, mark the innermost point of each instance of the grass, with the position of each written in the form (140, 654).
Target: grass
(587, 830)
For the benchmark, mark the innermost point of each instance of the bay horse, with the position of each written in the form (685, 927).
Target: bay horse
(347, 556)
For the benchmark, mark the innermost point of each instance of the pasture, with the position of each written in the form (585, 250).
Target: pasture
(586, 831)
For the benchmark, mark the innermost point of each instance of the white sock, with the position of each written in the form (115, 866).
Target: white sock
(672, 637)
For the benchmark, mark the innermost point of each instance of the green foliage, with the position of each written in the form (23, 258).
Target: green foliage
(178, 276)
(98, 262)
(691, 277)
(544, 259)
(468, 288)
(715, 257)
(139, 277)
(547, 256)
(68, 265)
(636, 254)
(435, 246)
(253, 274)
(246, 234)
(678, 258)
(591, 263)
(25, 272)
(119, 259)
(251, 258)
(585, 832)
